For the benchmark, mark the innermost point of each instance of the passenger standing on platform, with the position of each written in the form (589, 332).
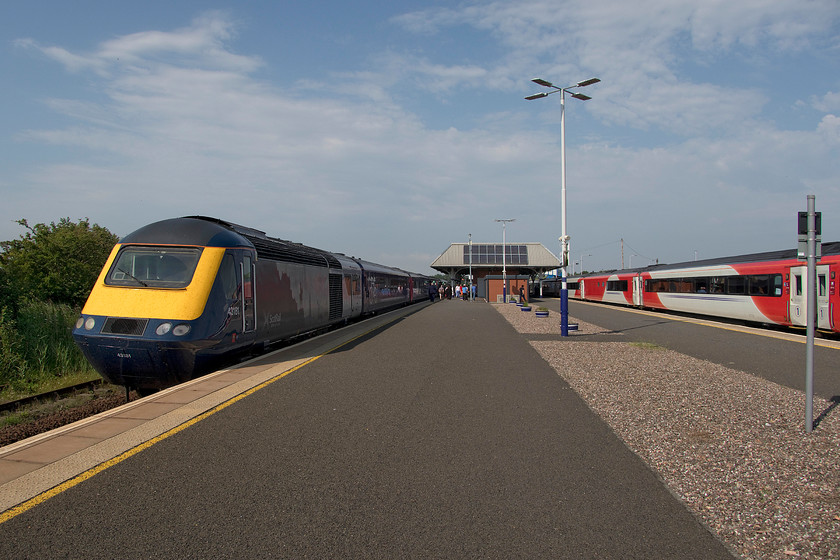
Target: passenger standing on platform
(432, 291)
(522, 298)
(458, 291)
(440, 292)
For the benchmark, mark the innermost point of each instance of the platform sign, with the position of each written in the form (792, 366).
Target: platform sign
(802, 230)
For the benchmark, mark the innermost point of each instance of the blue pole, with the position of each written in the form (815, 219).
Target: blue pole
(564, 309)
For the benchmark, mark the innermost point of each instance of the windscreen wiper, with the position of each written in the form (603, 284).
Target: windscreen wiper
(133, 277)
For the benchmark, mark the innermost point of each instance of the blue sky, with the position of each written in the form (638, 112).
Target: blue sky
(388, 129)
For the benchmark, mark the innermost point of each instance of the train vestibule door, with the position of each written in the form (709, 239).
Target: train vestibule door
(248, 287)
(799, 286)
(638, 296)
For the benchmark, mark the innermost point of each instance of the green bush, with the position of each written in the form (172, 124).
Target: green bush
(56, 262)
(45, 277)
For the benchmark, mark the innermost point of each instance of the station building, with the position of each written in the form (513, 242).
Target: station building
(524, 264)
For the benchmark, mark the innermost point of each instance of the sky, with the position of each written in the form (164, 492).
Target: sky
(388, 129)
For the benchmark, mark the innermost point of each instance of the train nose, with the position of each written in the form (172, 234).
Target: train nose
(137, 352)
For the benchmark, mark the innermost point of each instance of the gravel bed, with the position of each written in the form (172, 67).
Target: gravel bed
(731, 445)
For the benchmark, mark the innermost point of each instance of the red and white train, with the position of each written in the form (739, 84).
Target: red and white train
(769, 288)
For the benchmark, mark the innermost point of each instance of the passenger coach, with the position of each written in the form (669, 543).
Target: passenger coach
(767, 288)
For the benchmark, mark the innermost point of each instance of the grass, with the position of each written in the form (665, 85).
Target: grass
(47, 384)
(37, 351)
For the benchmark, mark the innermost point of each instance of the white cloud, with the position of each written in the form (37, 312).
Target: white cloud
(830, 102)
(637, 48)
(203, 43)
(829, 130)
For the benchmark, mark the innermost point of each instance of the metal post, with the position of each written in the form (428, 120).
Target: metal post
(811, 314)
(564, 240)
(504, 258)
(471, 278)
(504, 261)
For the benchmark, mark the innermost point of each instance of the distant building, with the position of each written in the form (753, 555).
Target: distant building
(523, 262)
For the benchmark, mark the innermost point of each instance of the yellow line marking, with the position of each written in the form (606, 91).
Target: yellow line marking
(90, 473)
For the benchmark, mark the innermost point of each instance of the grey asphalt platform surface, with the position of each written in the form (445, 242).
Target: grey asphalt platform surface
(441, 435)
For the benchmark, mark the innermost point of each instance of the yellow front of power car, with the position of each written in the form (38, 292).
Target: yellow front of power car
(133, 284)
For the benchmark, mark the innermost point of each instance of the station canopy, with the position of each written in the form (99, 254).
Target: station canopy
(529, 259)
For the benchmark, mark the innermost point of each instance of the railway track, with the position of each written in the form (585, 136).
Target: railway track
(24, 418)
(50, 395)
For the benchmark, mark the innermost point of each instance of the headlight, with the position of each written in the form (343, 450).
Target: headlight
(163, 328)
(80, 322)
(181, 330)
(90, 323)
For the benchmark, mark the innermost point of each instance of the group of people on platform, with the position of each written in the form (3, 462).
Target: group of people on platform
(439, 290)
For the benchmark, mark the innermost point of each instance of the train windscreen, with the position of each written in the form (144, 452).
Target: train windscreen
(154, 267)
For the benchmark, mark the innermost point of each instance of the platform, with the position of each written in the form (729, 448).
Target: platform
(433, 432)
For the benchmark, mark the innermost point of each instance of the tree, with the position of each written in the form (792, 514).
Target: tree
(56, 262)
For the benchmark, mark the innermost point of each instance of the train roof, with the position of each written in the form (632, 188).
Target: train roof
(380, 268)
(829, 248)
(273, 248)
(186, 231)
(205, 231)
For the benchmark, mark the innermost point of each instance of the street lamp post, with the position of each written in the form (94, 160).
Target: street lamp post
(470, 298)
(504, 259)
(581, 261)
(564, 239)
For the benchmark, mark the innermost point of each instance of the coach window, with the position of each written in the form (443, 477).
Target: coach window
(760, 285)
(796, 280)
(656, 286)
(685, 286)
(617, 285)
(701, 285)
(717, 285)
(736, 285)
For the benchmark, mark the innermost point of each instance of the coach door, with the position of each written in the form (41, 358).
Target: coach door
(248, 285)
(638, 296)
(799, 297)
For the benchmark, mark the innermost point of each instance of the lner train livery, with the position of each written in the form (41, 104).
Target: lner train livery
(769, 288)
(180, 297)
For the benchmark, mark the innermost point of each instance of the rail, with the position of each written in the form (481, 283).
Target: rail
(50, 395)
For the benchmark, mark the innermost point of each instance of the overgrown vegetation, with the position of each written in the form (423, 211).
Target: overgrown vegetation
(45, 278)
